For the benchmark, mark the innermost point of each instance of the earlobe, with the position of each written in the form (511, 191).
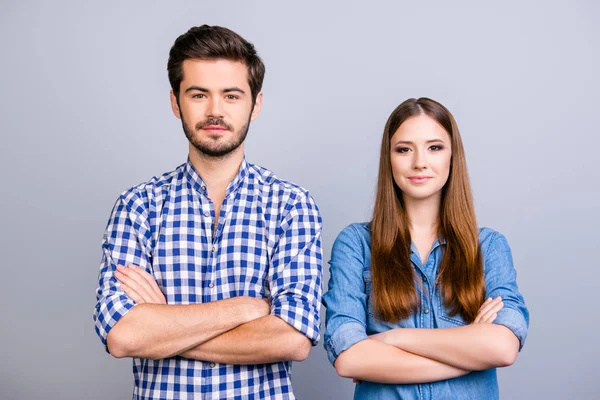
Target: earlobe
(175, 105)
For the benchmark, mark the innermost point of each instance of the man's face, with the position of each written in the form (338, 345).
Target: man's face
(215, 105)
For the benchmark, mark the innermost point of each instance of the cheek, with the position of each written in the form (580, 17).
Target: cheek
(241, 114)
(443, 166)
(399, 168)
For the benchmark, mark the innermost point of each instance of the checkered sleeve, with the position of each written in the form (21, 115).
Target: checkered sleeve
(295, 274)
(125, 242)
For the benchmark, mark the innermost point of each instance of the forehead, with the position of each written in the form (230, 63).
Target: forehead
(420, 128)
(214, 74)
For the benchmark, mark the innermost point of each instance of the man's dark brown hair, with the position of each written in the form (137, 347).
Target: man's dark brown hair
(210, 43)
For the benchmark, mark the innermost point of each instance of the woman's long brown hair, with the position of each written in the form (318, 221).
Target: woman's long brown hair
(460, 276)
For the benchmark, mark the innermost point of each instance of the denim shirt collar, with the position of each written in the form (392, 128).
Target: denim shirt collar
(436, 244)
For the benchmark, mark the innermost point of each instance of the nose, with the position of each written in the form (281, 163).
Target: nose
(420, 160)
(215, 108)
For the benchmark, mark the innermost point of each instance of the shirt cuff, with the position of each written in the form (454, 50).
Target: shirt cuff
(109, 314)
(301, 316)
(513, 320)
(343, 338)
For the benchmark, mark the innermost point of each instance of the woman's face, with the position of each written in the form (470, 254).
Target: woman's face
(420, 154)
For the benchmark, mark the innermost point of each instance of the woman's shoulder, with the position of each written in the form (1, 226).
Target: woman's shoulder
(490, 239)
(360, 230)
(355, 234)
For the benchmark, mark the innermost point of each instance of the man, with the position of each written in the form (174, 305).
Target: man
(211, 274)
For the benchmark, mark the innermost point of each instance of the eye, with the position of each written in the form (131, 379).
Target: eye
(231, 97)
(198, 96)
(436, 147)
(402, 150)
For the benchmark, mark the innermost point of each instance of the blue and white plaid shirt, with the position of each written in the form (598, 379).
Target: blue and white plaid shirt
(267, 244)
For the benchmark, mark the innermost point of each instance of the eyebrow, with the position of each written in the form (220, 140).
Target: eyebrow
(205, 90)
(409, 142)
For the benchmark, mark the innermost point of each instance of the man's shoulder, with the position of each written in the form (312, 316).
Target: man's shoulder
(154, 188)
(273, 186)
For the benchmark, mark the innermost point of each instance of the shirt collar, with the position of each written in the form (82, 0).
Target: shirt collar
(199, 185)
(437, 243)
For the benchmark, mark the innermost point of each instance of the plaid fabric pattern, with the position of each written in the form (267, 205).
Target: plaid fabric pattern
(267, 244)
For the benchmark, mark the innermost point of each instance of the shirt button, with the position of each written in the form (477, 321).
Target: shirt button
(426, 311)
(211, 285)
(203, 187)
(214, 248)
(212, 365)
(206, 214)
(424, 279)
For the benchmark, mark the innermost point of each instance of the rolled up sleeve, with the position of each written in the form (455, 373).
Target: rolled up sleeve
(501, 280)
(125, 241)
(296, 269)
(346, 298)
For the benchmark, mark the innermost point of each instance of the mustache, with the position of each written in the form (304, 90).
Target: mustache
(213, 121)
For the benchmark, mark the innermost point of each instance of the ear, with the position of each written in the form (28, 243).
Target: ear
(257, 107)
(175, 106)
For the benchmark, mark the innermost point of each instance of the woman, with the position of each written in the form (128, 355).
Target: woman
(407, 315)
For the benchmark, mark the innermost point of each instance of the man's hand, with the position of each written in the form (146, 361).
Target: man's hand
(139, 285)
(142, 288)
(489, 311)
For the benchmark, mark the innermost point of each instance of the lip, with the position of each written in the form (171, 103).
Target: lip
(214, 128)
(419, 179)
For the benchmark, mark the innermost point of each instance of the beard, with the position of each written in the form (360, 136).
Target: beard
(217, 147)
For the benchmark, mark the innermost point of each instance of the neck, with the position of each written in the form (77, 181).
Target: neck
(423, 214)
(217, 172)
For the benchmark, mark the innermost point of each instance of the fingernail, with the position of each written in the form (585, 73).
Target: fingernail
(132, 266)
(119, 267)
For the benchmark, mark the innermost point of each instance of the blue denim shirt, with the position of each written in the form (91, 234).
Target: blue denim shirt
(350, 310)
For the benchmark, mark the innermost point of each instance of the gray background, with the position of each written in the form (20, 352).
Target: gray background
(85, 115)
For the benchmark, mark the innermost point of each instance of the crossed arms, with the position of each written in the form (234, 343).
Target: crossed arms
(238, 330)
(414, 355)
(133, 319)
(410, 355)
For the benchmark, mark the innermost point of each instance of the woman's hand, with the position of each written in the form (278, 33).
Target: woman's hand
(489, 311)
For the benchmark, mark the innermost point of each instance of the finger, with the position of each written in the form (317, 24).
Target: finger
(138, 283)
(494, 310)
(489, 318)
(492, 318)
(486, 307)
(124, 280)
(479, 314)
(147, 276)
(486, 301)
(134, 281)
(135, 296)
(149, 284)
(488, 310)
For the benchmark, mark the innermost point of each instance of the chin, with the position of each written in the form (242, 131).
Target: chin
(420, 195)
